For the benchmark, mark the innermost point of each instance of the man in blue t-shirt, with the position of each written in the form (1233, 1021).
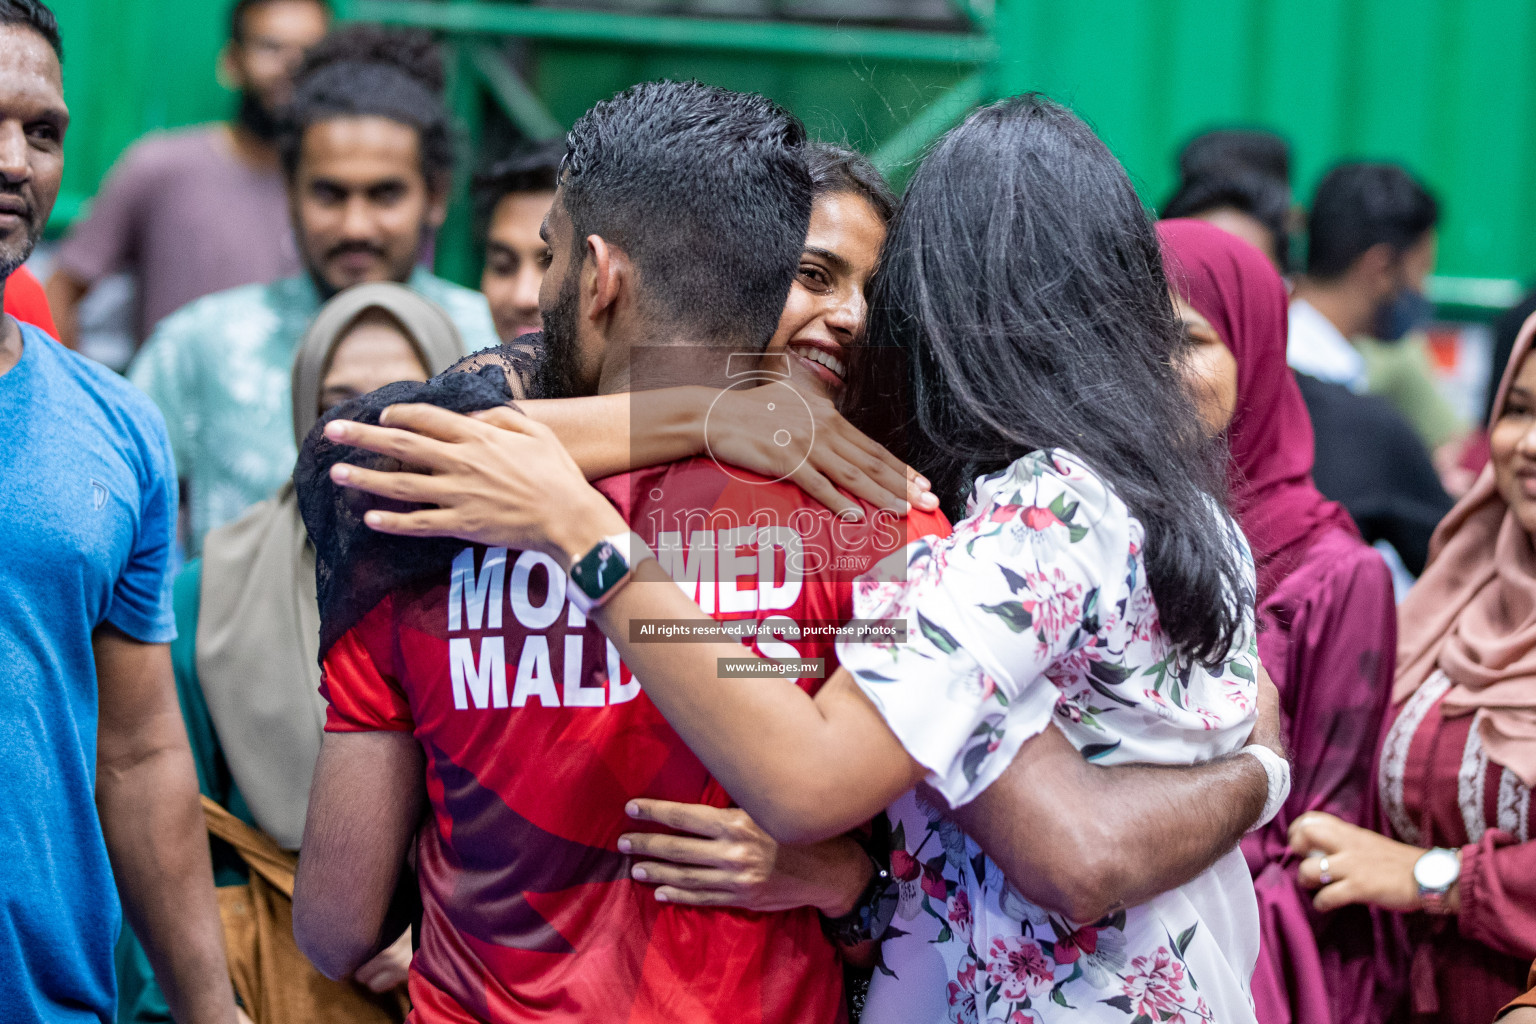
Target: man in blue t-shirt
(96, 778)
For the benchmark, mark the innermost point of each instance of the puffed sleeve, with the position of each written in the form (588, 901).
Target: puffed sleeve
(987, 610)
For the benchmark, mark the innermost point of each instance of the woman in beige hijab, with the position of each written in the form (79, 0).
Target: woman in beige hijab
(247, 622)
(1458, 760)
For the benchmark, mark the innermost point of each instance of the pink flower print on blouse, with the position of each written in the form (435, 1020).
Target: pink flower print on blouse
(964, 1004)
(1154, 986)
(1019, 967)
(958, 913)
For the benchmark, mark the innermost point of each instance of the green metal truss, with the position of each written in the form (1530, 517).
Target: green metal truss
(472, 30)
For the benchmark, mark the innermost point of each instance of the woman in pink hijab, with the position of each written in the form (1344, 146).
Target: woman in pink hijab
(1459, 756)
(1326, 615)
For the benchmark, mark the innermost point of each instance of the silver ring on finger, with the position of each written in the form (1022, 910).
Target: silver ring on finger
(1322, 872)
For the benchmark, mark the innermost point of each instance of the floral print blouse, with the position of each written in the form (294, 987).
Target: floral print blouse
(1037, 610)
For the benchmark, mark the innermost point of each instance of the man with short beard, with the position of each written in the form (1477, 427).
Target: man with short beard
(368, 155)
(98, 795)
(202, 209)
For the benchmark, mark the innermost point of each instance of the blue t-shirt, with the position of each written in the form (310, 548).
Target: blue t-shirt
(87, 514)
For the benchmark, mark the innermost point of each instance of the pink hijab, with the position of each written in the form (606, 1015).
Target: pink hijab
(1472, 615)
(1234, 286)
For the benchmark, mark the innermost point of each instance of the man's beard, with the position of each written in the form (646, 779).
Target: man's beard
(328, 291)
(254, 117)
(14, 254)
(559, 370)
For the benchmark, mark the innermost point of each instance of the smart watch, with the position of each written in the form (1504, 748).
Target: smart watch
(598, 574)
(1435, 872)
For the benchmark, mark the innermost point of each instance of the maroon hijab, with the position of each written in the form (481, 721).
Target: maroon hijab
(1236, 288)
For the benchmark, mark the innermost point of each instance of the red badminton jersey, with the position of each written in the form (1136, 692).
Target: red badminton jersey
(536, 736)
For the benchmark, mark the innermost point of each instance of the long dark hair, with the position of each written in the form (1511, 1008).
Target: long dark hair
(1022, 277)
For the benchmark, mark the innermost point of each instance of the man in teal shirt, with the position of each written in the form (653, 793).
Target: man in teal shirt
(368, 157)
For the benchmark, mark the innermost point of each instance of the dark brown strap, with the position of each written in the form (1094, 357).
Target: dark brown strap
(256, 848)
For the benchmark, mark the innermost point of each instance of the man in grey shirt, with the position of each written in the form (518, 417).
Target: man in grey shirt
(367, 150)
(201, 209)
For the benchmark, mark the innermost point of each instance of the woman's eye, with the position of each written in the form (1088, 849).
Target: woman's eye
(814, 276)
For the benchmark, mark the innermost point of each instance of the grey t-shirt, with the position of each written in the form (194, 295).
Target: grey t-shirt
(186, 218)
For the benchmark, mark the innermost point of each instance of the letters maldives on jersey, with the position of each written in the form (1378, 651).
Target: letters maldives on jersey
(536, 735)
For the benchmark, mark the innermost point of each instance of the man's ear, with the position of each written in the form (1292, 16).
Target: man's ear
(1377, 267)
(226, 71)
(607, 275)
(437, 200)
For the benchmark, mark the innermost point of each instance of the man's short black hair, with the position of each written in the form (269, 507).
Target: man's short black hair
(35, 15)
(708, 193)
(1360, 205)
(1260, 151)
(242, 8)
(531, 168)
(1239, 188)
(365, 70)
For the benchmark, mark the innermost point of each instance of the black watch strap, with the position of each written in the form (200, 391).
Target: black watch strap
(876, 906)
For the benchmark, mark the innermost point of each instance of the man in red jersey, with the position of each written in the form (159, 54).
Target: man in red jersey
(481, 689)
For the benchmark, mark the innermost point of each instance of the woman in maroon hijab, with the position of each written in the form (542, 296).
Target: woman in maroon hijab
(1327, 624)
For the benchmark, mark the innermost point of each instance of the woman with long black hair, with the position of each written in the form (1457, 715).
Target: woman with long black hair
(1095, 585)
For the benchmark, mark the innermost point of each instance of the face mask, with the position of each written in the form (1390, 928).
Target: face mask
(1407, 310)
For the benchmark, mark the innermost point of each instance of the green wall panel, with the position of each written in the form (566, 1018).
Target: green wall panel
(131, 66)
(1447, 87)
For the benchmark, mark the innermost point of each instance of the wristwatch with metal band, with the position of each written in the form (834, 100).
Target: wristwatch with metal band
(1435, 872)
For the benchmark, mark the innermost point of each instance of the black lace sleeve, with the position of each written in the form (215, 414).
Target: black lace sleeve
(356, 567)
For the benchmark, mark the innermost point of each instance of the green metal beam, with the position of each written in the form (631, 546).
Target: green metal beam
(457, 257)
(932, 121)
(630, 30)
(509, 90)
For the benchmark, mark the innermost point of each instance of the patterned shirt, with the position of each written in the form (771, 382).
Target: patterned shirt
(1037, 610)
(220, 370)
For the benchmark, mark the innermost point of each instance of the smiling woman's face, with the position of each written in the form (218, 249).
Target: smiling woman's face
(824, 316)
(1512, 445)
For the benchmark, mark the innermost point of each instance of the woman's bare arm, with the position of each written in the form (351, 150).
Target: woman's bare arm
(608, 434)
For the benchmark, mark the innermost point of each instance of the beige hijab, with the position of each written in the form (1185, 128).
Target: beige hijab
(258, 629)
(1472, 615)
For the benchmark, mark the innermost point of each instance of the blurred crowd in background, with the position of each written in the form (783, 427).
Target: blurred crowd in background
(250, 275)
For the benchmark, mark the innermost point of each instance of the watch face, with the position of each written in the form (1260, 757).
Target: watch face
(599, 570)
(1437, 870)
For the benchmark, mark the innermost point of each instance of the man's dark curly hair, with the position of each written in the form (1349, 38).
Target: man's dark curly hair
(364, 70)
(530, 168)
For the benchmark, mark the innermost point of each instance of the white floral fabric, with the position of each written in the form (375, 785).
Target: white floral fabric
(1037, 610)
